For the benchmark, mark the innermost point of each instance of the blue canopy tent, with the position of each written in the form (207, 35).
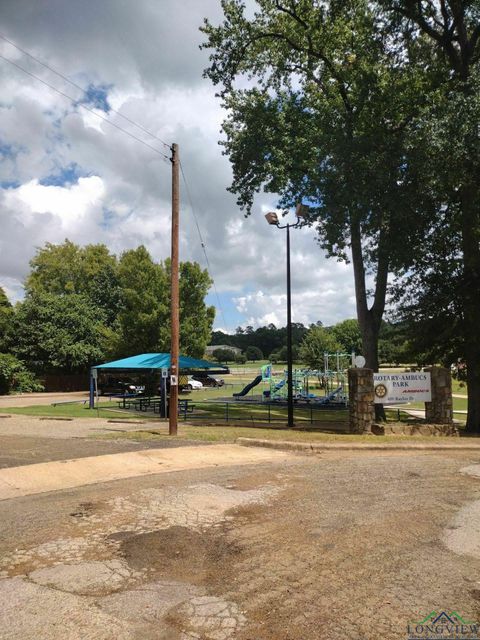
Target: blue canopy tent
(158, 361)
(152, 362)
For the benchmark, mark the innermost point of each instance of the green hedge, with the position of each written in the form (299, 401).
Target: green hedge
(14, 376)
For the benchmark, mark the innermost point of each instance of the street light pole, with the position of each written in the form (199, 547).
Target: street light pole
(272, 218)
(290, 421)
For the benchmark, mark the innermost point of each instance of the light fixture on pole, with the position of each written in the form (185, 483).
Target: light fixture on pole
(272, 219)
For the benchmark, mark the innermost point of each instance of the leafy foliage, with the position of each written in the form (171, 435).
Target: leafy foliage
(316, 343)
(348, 336)
(224, 355)
(268, 339)
(253, 353)
(6, 312)
(14, 376)
(442, 305)
(67, 268)
(57, 333)
(325, 120)
(83, 305)
(196, 318)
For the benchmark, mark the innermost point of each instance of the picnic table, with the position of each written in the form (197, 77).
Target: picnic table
(154, 403)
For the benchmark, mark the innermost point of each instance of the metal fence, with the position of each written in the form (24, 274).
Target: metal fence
(332, 416)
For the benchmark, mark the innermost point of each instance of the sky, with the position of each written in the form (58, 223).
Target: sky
(65, 172)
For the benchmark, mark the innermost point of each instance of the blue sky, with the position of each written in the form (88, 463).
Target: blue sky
(66, 172)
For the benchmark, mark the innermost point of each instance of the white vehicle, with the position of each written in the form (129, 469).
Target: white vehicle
(193, 384)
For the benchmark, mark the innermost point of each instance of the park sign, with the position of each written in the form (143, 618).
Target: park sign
(396, 388)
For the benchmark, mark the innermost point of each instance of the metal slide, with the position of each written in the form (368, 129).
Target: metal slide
(252, 384)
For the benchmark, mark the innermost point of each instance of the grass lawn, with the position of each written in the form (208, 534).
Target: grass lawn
(459, 404)
(228, 433)
(71, 411)
(206, 412)
(459, 387)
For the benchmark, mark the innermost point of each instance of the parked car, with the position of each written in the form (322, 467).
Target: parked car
(209, 381)
(191, 384)
(114, 386)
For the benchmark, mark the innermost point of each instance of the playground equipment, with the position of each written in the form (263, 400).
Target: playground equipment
(249, 386)
(334, 369)
(331, 378)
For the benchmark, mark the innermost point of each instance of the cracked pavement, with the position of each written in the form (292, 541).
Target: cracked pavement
(340, 545)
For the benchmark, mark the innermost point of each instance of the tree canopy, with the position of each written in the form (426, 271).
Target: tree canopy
(440, 293)
(6, 312)
(316, 343)
(368, 112)
(57, 333)
(84, 305)
(324, 120)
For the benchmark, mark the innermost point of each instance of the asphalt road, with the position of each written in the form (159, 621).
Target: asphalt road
(344, 545)
(30, 399)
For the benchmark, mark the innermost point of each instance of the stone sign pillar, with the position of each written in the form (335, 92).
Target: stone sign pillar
(440, 409)
(360, 395)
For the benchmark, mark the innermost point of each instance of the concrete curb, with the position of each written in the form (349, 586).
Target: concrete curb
(355, 446)
(58, 475)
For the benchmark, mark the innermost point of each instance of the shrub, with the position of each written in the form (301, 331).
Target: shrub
(254, 353)
(14, 376)
(224, 355)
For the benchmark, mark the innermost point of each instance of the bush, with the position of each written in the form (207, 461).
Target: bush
(14, 376)
(240, 358)
(254, 353)
(224, 355)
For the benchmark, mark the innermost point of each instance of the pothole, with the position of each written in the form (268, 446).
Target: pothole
(177, 553)
(84, 510)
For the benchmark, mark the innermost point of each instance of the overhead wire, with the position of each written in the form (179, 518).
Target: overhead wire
(77, 86)
(203, 245)
(75, 102)
(113, 124)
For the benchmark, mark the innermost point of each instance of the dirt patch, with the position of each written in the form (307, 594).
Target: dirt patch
(85, 510)
(178, 553)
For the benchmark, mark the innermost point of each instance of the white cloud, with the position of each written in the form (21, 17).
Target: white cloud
(147, 54)
(69, 203)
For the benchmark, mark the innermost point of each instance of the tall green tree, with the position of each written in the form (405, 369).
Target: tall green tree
(253, 353)
(144, 320)
(53, 333)
(6, 312)
(316, 343)
(66, 268)
(446, 35)
(347, 333)
(196, 317)
(325, 123)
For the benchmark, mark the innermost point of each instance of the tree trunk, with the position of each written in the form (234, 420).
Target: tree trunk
(473, 386)
(370, 320)
(471, 303)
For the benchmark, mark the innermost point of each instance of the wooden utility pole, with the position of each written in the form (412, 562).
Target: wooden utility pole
(175, 301)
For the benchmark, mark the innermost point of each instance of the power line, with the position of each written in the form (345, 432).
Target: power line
(204, 248)
(75, 102)
(74, 84)
(121, 115)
